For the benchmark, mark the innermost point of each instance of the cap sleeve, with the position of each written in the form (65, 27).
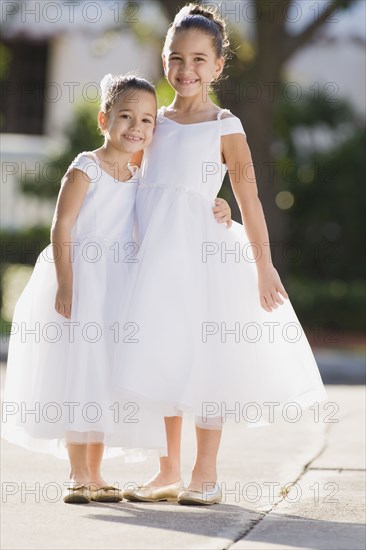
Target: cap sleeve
(231, 125)
(87, 165)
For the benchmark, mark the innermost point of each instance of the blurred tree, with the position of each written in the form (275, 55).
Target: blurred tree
(326, 182)
(5, 59)
(258, 68)
(326, 224)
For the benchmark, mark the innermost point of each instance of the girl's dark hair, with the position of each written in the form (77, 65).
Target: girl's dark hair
(206, 19)
(112, 86)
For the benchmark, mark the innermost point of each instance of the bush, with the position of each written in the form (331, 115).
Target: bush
(334, 305)
(23, 247)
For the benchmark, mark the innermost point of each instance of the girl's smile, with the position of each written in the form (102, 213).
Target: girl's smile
(129, 137)
(129, 125)
(185, 82)
(190, 61)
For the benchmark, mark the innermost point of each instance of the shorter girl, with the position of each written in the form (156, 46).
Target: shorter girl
(58, 389)
(57, 385)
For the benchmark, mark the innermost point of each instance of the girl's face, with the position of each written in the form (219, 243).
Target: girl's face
(129, 125)
(190, 62)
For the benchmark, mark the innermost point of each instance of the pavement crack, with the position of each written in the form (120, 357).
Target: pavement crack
(324, 469)
(244, 534)
(305, 468)
(284, 491)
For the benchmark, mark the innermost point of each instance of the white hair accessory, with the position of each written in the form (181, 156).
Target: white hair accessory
(184, 12)
(105, 83)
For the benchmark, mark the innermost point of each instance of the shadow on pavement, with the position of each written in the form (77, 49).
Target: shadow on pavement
(280, 529)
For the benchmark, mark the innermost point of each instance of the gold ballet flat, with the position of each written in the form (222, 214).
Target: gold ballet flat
(79, 494)
(106, 494)
(146, 493)
(200, 498)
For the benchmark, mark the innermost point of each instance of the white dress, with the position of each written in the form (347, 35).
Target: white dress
(205, 345)
(58, 383)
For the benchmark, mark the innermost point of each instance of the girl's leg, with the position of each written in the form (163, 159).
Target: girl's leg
(78, 462)
(204, 472)
(94, 456)
(169, 471)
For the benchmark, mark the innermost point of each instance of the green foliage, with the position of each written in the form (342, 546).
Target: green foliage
(326, 224)
(82, 135)
(23, 247)
(334, 303)
(166, 93)
(327, 186)
(329, 212)
(5, 326)
(5, 58)
(20, 247)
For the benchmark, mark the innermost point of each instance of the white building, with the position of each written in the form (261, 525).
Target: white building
(59, 51)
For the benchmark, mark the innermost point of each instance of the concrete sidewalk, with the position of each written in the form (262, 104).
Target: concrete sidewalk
(286, 486)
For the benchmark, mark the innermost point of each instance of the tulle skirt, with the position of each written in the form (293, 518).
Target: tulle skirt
(204, 344)
(58, 386)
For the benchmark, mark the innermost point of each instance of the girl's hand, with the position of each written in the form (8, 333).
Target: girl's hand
(64, 300)
(222, 212)
(270, 288)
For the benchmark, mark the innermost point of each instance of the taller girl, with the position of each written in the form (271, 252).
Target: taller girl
(212, 340)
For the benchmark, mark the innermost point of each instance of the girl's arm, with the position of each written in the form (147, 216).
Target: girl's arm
(74, 186)
(238, 159)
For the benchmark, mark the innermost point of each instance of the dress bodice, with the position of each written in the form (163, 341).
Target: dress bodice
(188, 156)
(107, 211)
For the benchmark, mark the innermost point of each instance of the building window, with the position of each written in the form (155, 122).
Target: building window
(23, 86)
